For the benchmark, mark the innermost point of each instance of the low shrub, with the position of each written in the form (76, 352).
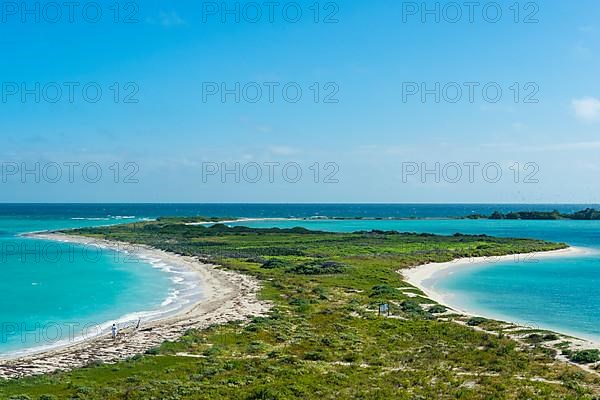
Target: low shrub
(276, 263)
(323, 268)
(585, 356)
(437, 309)
(384, 291)
(411, 307)
(153, 351)
(476, 321)
(263, 394)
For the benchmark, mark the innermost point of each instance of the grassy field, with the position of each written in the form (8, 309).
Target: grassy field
(324, 339)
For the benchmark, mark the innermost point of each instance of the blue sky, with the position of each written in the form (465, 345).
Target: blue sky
(167, 143)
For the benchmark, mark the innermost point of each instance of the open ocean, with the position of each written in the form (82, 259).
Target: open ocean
(52, 292)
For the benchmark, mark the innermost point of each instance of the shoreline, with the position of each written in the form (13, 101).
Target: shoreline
(426, 276)
(224, 296)
(241, 219)
(184, 293)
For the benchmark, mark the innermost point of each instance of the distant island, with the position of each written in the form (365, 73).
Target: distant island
(589, 214)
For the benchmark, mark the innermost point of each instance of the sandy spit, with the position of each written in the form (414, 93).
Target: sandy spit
(226, 296)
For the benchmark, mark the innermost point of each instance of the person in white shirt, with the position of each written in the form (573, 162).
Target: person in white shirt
(114, 331)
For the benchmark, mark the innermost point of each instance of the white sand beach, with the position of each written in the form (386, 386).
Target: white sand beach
(426, 276)
(225, 296)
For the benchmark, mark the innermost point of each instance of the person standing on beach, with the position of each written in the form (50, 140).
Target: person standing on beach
(114, 331)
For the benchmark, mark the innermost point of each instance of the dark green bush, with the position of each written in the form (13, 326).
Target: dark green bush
(276, 263)
(324, 268)
(586, 356)
(476, 321)
(550, 337)
(384, 291)
(437, 309)
(263, 394)
(314, 356)
(153, 351)
(411, 307)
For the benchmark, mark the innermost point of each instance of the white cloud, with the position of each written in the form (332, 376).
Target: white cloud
(582, 50)
(283, 150)
(587, 108)
(587, 29)
(574, 146)
(562, 146)
(264, 128)
(167, 19)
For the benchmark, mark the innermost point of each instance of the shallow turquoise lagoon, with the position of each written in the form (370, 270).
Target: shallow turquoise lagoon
(552, 293)
(57, 292)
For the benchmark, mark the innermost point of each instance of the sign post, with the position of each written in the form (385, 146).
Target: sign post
(384, 309)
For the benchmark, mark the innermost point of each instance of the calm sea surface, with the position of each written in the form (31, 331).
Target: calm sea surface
(52, 292)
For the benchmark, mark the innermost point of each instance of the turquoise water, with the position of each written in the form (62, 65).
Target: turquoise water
(552, 293)
(56, 292)
(274, 210)
(47, 300)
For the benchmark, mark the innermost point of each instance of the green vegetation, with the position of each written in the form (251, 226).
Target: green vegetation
(476, 321)
(540, 338)
(437, 309)
(588, 214)
(193, 220)
(585, 356)
(323, 338)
